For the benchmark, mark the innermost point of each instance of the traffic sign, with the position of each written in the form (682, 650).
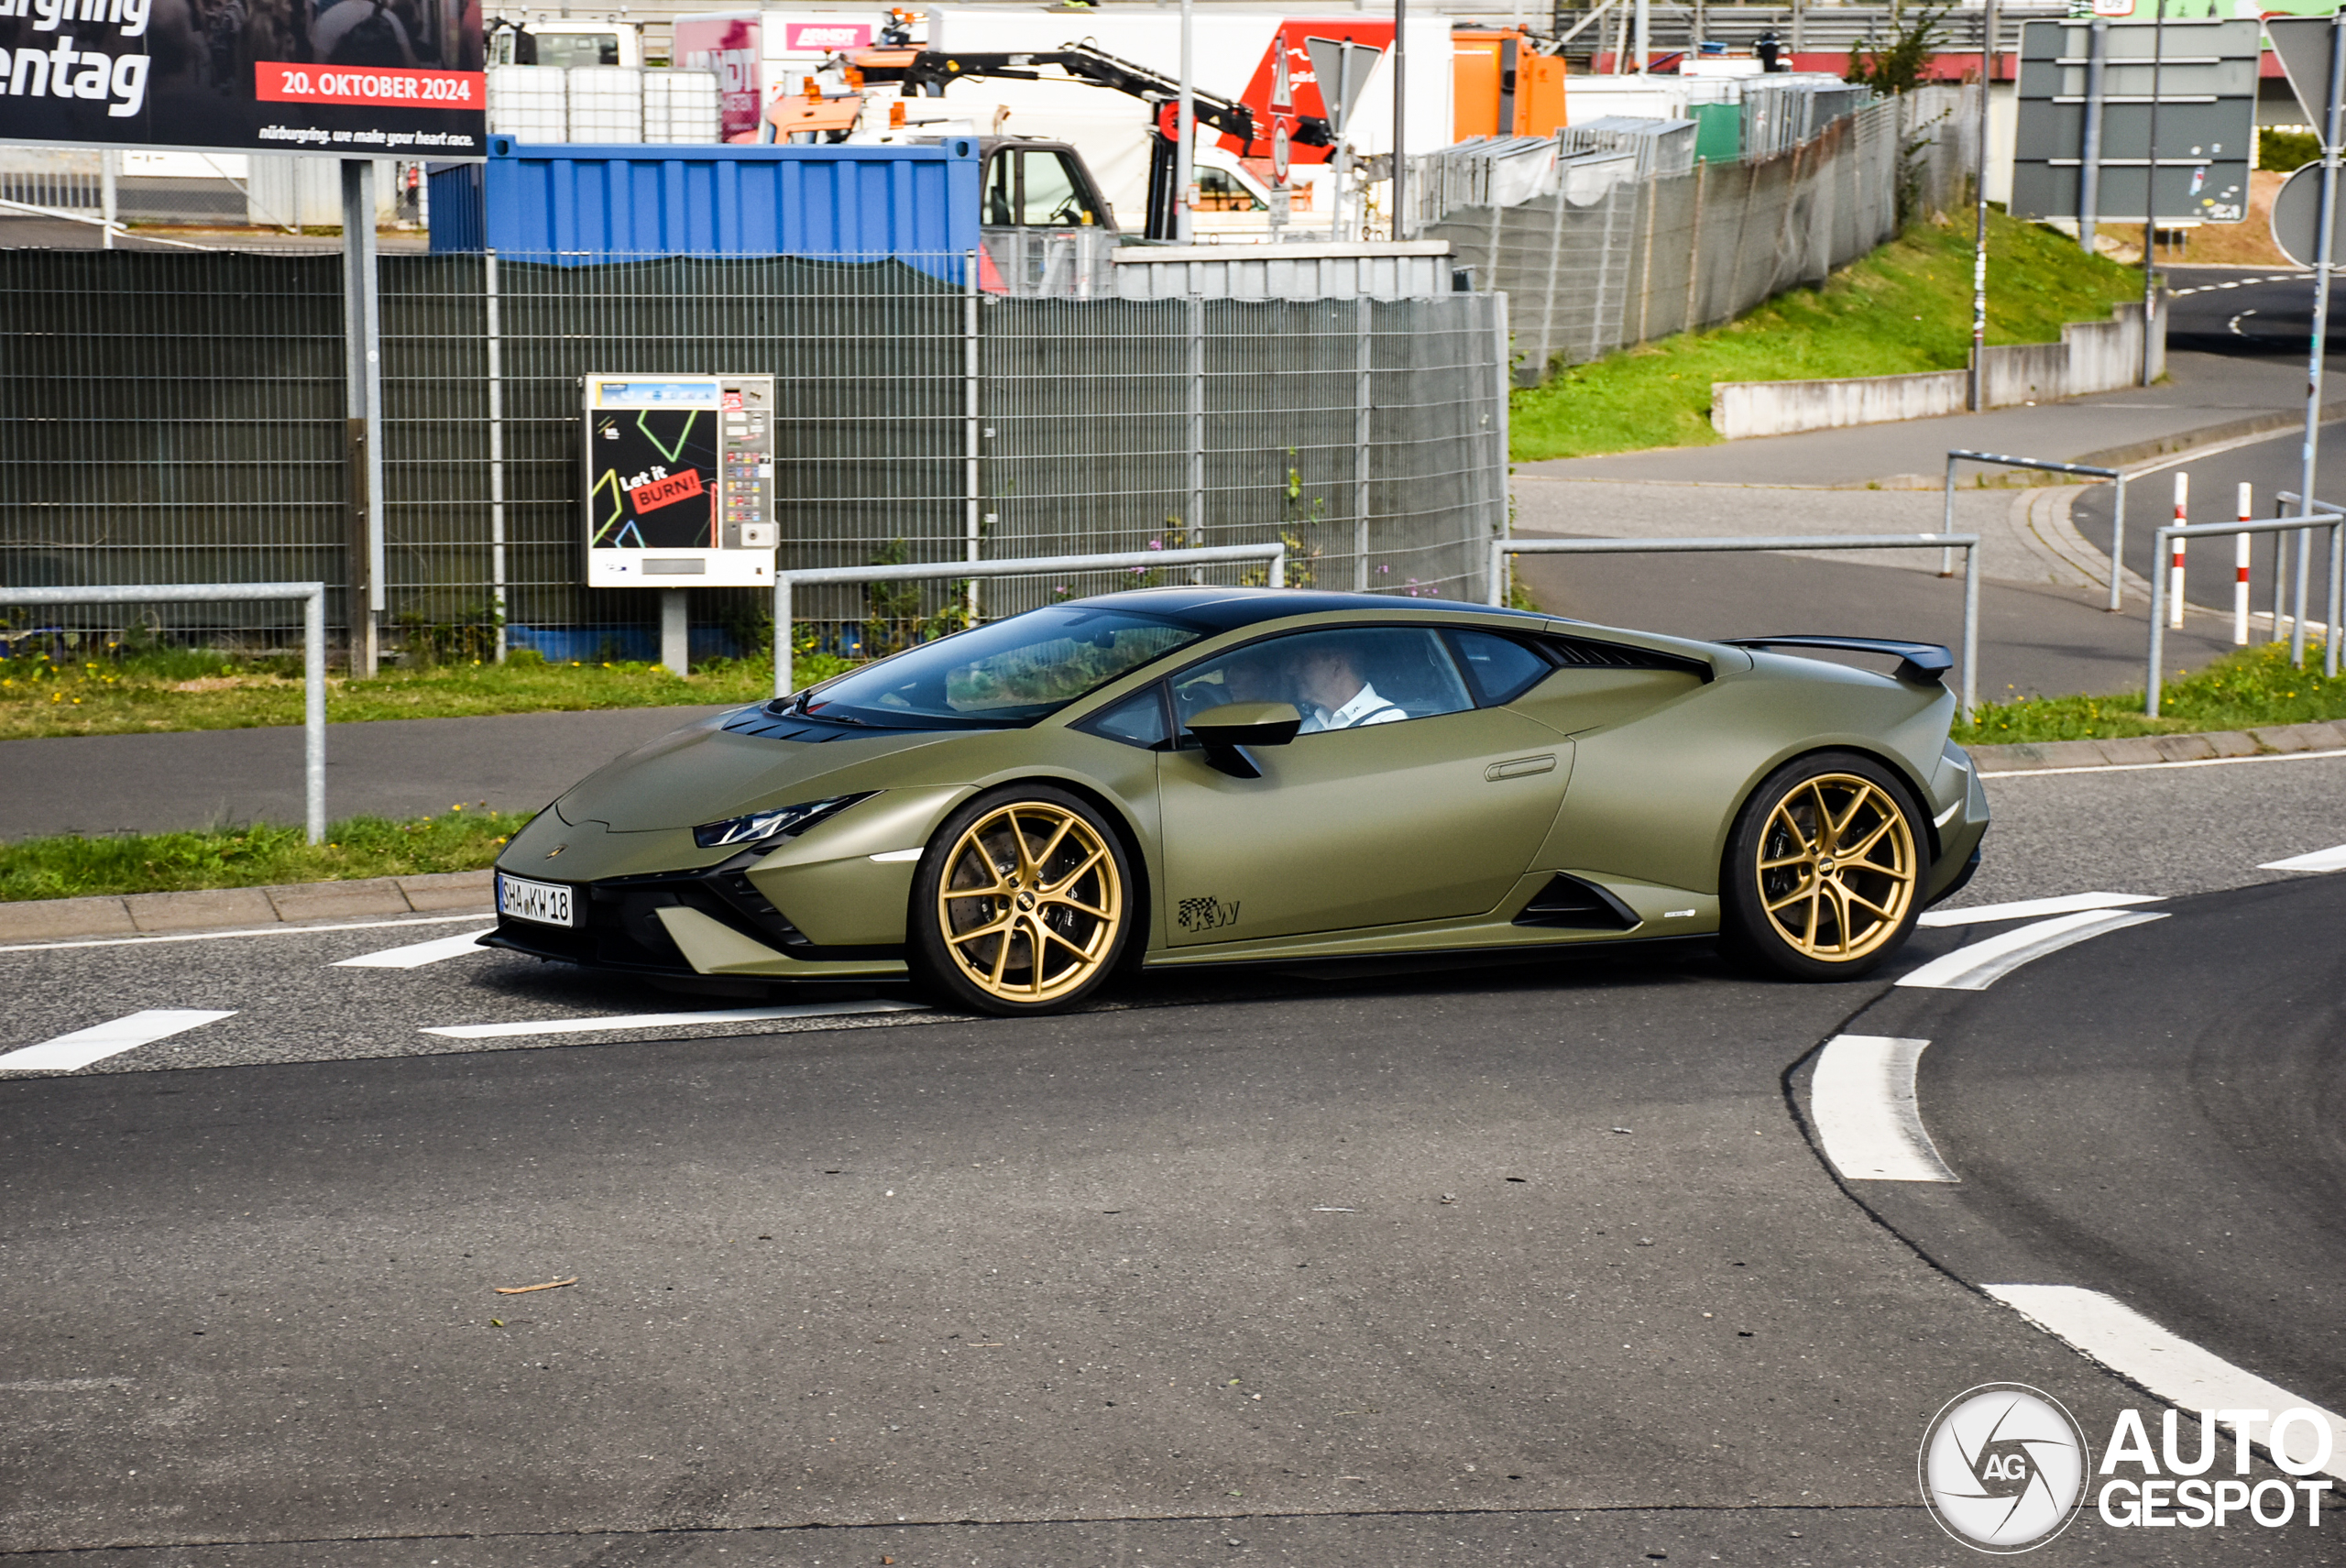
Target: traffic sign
(2207, 120)
(1340, 60)
(2296, 217)
(2302, 46)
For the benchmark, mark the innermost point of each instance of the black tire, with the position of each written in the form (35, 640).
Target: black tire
(1825, 869)
(1047, 930)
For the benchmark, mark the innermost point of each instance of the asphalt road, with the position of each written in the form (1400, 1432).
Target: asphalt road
(399, 768)
(2034, 639)
(2240, 311)
(2270, 466)
(978, 1291)
(2181, 1152)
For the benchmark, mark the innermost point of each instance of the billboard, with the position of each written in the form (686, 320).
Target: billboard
(679, 481)
(388, 78)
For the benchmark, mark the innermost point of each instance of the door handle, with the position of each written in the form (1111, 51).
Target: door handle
(1520, 767)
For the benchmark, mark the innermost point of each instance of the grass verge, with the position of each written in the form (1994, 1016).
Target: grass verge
(456, 840)
(110, 690)
(2247, 690)
(1906, 307)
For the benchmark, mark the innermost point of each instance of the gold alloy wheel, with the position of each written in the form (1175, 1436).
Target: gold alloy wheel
(1030, 902)
(1836, 867)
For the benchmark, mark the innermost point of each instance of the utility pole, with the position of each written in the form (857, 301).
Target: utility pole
(2324, 261)
(1400, 122)
(1185, 126)
(2151, 203)
(1978, 389)
(2089, 155)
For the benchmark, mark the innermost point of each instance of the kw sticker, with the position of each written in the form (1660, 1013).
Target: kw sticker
(1205, 914)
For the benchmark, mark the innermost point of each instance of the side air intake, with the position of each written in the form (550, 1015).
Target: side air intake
(1573, 904)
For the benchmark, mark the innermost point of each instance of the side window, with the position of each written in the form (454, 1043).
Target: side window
(1218, 192)
(1054, 198)
(1138, 720)
(1501, 668)
(1002, 200)
(1338, 680)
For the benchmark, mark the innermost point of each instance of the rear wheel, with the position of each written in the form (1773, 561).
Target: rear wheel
(1824, 869)
(1022, 904)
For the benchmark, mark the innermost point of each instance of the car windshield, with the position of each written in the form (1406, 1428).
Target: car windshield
(1011, 673)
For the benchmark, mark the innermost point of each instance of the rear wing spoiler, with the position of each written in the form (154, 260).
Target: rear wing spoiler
(1919, 663)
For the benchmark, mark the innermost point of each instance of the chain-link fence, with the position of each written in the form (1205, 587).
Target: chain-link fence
(1650, 257)
(179, 418)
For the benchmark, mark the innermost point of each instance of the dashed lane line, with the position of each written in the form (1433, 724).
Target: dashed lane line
(2028, 908)
(229, 936)
(2330, 860)
(1862, 1099)
(1978, 965)
(2178, 1371)
(616, 1022)
(83, 1046)
(416, 955)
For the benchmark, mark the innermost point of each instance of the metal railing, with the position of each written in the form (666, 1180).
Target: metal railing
(2165, 537)
(312, 597)
(1967, 542)
(2117, 504)
(1036, 565)
(2331, 632)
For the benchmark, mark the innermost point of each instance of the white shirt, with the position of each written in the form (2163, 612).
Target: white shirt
(1365, 707)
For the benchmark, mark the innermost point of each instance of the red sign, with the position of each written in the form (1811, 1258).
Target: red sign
(280, 81)
(659, 493)
(727, 45)
(810, 37)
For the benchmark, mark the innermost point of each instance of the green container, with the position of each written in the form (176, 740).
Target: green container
(1719, 137)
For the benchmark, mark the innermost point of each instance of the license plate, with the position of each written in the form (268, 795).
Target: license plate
(546, 902)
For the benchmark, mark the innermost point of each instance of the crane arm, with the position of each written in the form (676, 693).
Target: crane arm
(1086, 61)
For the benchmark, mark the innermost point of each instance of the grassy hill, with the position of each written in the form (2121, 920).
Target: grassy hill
(1905, 307)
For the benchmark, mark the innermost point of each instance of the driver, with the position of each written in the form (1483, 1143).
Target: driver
(1336, 696)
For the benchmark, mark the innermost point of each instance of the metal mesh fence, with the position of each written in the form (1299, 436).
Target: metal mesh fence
(174, 418)
(1647, 258)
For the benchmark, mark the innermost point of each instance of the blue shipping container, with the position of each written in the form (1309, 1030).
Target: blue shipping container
(578, 205)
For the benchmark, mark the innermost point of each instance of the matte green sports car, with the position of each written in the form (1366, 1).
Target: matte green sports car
(1180, 776)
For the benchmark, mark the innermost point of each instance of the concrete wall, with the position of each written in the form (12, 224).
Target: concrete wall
(2092, 356)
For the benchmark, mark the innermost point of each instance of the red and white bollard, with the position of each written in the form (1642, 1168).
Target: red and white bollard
(2175, 568)
(2240, 574)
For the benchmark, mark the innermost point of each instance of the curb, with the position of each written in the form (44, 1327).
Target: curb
(153, 914)
(2137, 750)
(2206, 435)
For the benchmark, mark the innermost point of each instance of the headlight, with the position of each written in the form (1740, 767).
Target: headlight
(781, 822)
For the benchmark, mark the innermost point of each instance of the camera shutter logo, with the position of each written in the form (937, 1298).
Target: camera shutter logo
(2003, 1467)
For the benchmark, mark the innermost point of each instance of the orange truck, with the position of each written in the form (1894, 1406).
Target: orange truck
(1503, 86)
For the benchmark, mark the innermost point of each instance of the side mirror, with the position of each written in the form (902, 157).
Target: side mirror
(1224, 731)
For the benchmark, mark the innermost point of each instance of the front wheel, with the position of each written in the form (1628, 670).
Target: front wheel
(1824, 869)
(1022, 904)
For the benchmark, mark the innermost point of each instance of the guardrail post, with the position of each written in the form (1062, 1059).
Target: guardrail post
(1970, 632)
(1498, 595)
(2305, 570)
(1947, 523)
(2117, 541)
(313, 711)
(782, 634)
(1278, 572)
(2159, 542)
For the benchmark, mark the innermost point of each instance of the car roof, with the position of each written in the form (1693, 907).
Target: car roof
(1227, 609)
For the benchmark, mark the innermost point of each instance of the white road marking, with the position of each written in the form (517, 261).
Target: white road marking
(667, 1020)
(1979, 965)
(416, 955)
(224, 936)
(2174, 1369)
(2149, 767)
(1863, 1099)
(2330, 860)
(2067, 904)
(83, 1046)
